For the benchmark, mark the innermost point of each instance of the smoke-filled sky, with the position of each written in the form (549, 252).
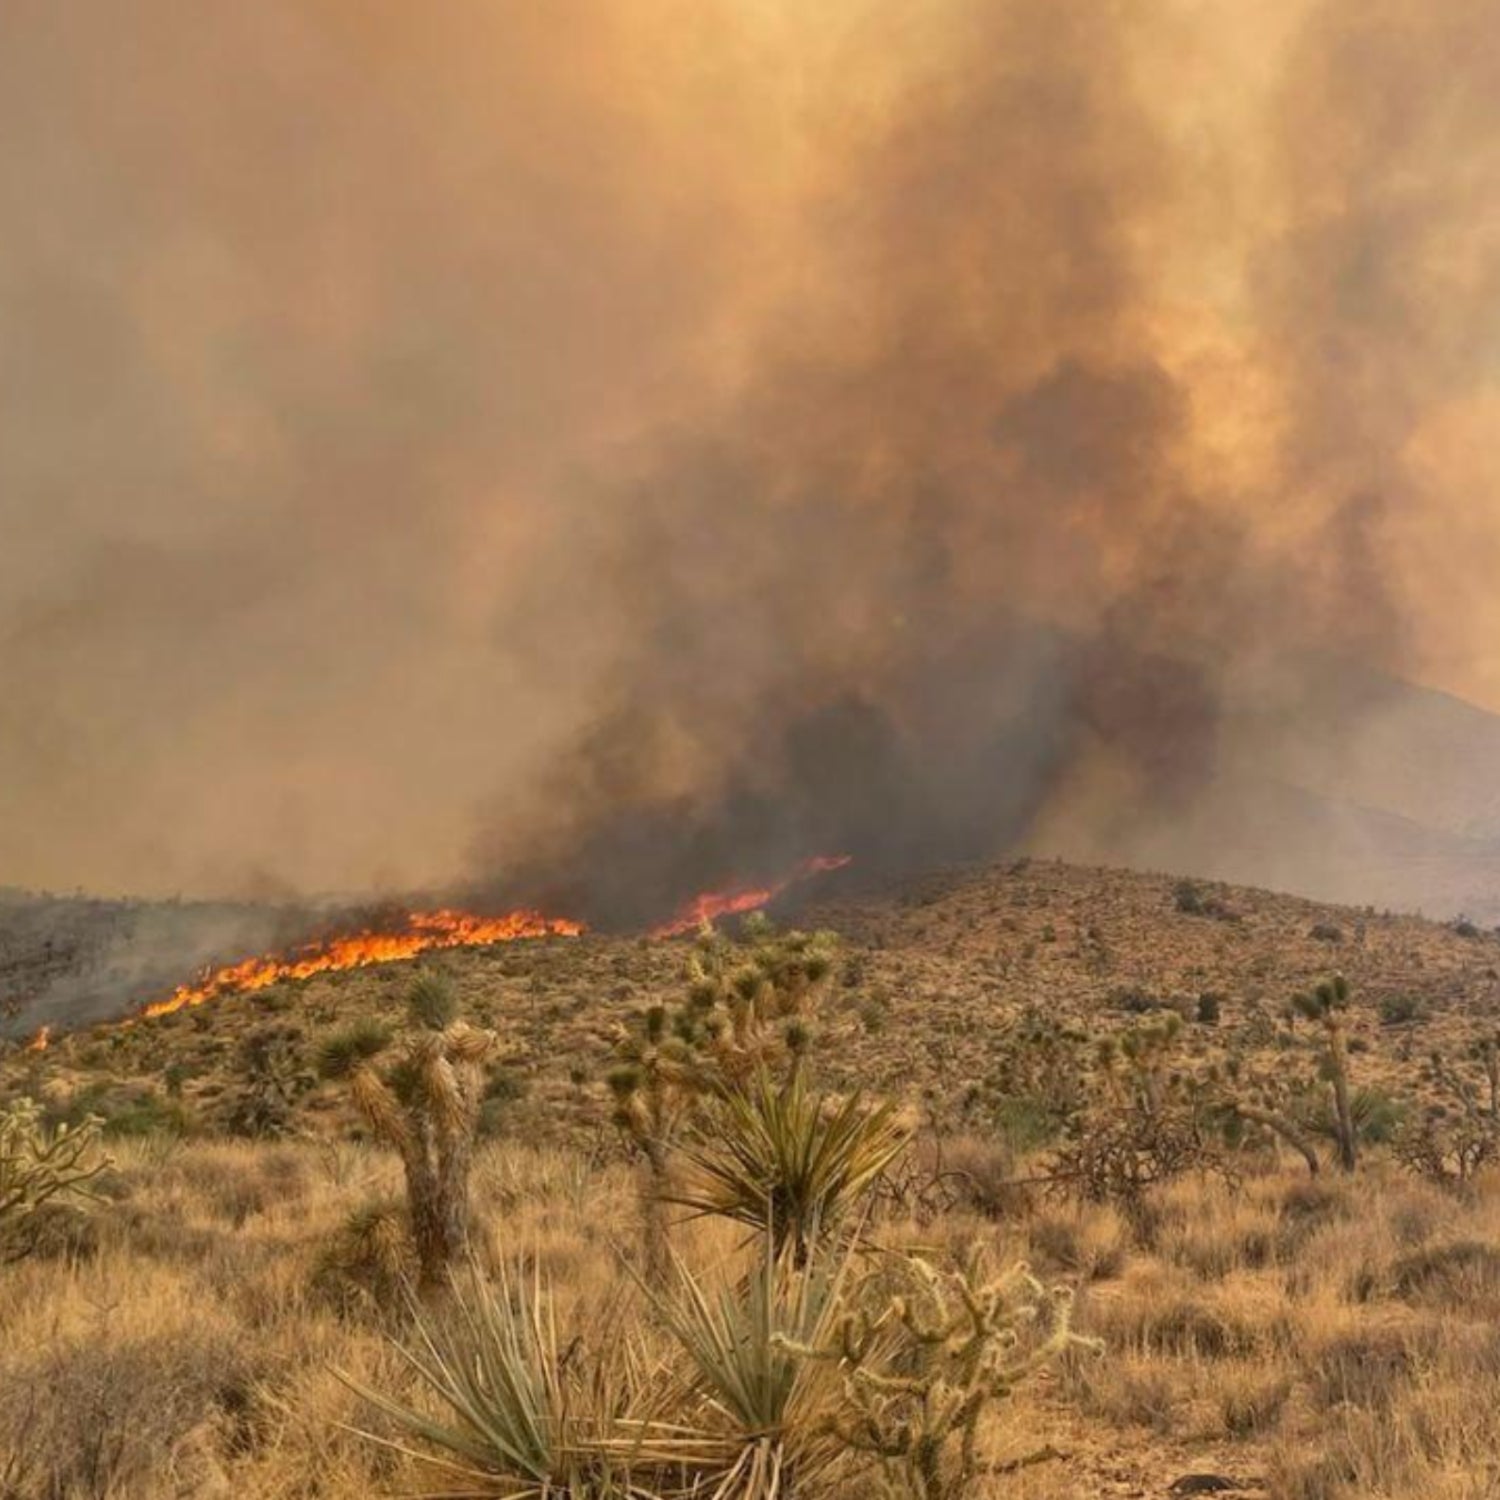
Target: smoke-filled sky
(440, 441)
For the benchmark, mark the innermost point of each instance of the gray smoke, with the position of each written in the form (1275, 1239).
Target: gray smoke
(596, 449)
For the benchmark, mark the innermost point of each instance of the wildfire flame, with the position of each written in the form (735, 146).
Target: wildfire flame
(712, 904)
(423, 932)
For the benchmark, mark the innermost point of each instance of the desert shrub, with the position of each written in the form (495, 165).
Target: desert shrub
(143, 1112)
(1251, 1402)
(1401, 1010)
(1192, 900)
(1024, 1123)
(1185, 1327)
(272, 1079)
(1148, 1121)
(1368, 1368)
(1326, 932)
(1455, 1274)
(1091, 1243)
(980, 1178)
(503, 1089)
(1209, 1009)
(107, 1417)
(1127, 1392)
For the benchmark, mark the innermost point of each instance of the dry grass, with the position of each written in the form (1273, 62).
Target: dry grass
(1318, 1340)
(1325, 1341)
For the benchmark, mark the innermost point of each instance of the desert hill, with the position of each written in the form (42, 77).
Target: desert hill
(932, 972)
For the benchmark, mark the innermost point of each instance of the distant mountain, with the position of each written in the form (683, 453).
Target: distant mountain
(1344, 786)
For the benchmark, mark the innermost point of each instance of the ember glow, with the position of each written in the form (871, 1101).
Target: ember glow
(712, 904)
(422, 933)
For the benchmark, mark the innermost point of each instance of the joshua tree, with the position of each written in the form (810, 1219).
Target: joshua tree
(426, 1105)
(659, 1076)
(38, 1166)
(1284, 1108)
(745, 1016)
(1326, 1006)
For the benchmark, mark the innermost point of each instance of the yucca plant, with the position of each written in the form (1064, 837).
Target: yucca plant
(513, 1407)
(508, 1420)
(780, 1158)
(761, 1398)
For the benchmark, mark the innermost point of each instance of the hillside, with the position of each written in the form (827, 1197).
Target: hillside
(1259, 1333)
(932, 971)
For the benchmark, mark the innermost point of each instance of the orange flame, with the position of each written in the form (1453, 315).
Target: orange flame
(712, 904)
(424, 931)
(40, 1041)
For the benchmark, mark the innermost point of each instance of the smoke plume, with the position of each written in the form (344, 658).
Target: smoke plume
(602, 447)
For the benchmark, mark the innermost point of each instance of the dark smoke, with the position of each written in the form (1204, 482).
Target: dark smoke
(600, 450)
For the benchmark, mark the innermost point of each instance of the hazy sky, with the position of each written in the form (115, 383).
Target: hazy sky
(396, 397)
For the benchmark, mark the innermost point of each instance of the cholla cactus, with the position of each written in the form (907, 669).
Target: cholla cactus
(39, 1166)
(919, 1372)
(426, 1105)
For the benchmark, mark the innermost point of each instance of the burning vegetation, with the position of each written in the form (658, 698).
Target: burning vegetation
(417, 932)
(422, 932)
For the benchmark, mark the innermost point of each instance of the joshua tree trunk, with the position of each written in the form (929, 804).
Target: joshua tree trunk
(653, 1213)
(1286, 1130)
(1338, 1061)
(437, 1196)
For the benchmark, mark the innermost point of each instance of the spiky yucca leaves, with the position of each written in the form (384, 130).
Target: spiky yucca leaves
(524, 1411)
(780, 1158)
(713, 1399)
(761, 1396)
(39, 1166)
(515, 1415)
(425, 1105)
(370, 1259)
(923, 1351)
